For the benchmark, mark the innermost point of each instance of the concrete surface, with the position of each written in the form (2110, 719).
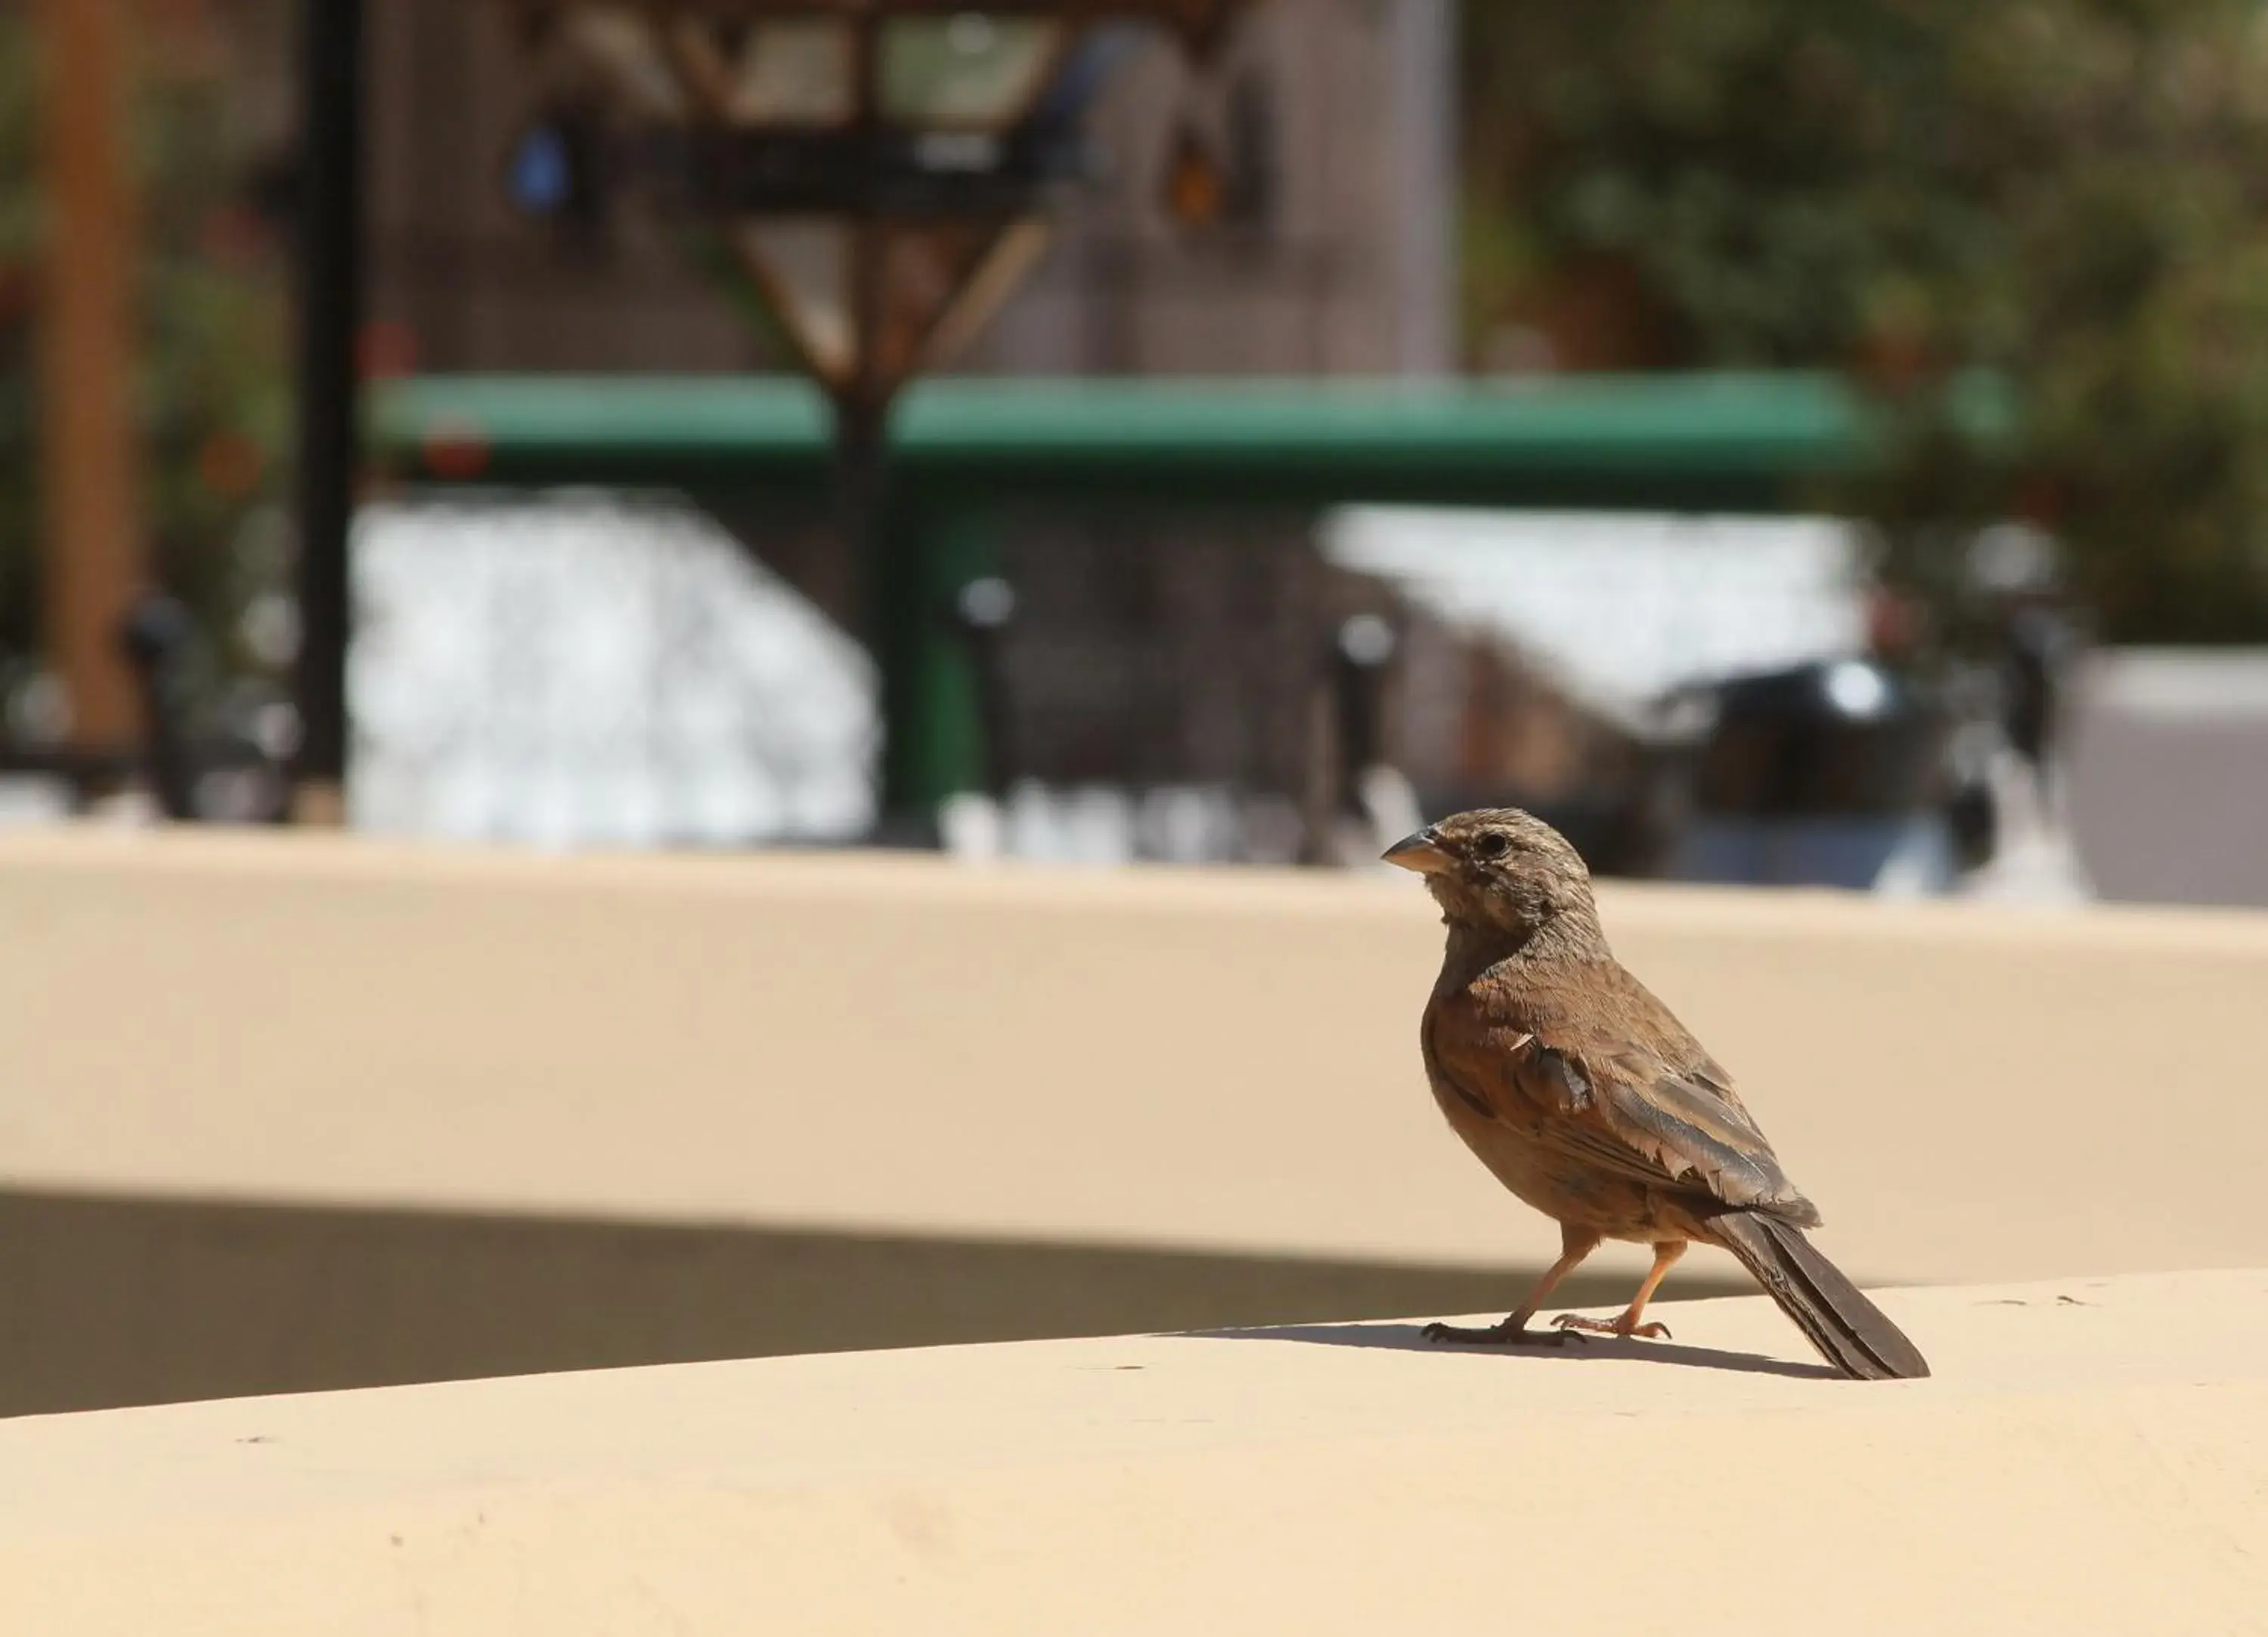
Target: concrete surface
(299, 1111)
(2091, 1457)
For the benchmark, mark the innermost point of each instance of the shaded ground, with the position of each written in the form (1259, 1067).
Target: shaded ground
(111, 1302)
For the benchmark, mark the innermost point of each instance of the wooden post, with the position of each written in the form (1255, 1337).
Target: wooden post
(92, 522)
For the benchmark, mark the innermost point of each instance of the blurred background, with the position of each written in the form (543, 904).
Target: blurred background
(1779, 443)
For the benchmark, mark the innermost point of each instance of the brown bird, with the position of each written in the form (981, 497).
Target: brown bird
(1586, 1098)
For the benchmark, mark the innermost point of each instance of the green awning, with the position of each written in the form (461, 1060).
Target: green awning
(1688, 441)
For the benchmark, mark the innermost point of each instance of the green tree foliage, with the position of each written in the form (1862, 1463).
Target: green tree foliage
(2071, 193)
(213, 400)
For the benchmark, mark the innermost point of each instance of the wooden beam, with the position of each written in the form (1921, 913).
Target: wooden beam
(1201, 23)
(1174, 13)
(92, 522)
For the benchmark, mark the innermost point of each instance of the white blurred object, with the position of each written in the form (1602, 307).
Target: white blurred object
(1920, 862)
(1185, 824)
(580, 668)
(1619, 610)
(1389, 804)
(1086, 824)
(2033, 859)
(1179, 824)
(970, 825)
(130, 809)
(29, 801)
(1389, 811)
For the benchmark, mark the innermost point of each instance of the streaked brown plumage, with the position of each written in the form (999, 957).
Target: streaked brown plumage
(1586, 1098)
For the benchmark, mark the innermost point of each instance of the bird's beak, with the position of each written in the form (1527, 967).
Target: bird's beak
(1421, 852)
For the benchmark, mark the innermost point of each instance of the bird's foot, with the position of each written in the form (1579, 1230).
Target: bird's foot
(1619, 1326)
(1505, 1334)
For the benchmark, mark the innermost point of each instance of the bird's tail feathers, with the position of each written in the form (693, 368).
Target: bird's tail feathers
(1850, 1332)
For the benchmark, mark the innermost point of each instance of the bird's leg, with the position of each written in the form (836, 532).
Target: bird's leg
(1626, 1323)
(1575, 1243)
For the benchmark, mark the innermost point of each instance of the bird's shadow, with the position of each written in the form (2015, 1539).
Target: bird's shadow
(1411, 1338)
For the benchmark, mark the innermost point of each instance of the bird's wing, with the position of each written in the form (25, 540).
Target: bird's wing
(1595, 1068)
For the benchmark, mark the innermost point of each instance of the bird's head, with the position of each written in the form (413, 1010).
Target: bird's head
(1504, 870)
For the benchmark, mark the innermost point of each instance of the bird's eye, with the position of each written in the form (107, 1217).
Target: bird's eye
(1494, 844)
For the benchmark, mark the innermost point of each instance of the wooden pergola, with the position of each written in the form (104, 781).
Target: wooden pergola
(92, 528)
(883, 217)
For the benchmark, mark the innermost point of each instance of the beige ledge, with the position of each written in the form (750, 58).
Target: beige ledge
(1208, 1061)
(2091, 1458)
(290, 1111)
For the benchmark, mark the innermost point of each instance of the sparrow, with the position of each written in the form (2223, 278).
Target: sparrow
(1591, 1101)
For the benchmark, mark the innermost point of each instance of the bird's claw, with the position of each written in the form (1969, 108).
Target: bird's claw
(1576, 1323)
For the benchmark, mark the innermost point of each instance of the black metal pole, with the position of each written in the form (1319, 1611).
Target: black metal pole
(155, 638)
(985, 609)
(884, 586)
(1362, 649)
(330, 318)
(887, 589)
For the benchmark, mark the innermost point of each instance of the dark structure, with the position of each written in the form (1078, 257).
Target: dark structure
(329, 201)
